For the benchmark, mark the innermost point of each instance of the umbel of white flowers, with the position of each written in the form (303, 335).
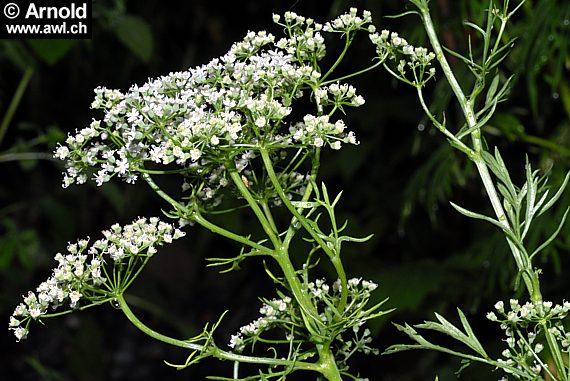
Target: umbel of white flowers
(196, 118)
(83, 273)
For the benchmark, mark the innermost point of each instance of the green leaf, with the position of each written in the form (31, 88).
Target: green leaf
(555, 198)
(553, 236)
(51, 51)
(135, 34)
(492, 90)
(473, 339)
(476, 216)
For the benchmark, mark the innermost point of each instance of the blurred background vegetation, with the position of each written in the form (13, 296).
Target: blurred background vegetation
(426, 257)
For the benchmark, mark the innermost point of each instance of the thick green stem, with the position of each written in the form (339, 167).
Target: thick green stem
(328, 364)
(309, 312)
(330, 253)
(523, 263)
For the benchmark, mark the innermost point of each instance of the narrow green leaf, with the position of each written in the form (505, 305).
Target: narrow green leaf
(402, 14)
(509, 197)
(354, 239)
(336, 199)
(492, 89)
(553, 236)
(476, 344)
(555, 198)
(325, 193)
(475, 26)
(530, 198)
(467, 61)
(477, 216)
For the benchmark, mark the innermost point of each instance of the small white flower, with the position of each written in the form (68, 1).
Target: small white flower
(500, 306)
(20, 333)
(74, 297)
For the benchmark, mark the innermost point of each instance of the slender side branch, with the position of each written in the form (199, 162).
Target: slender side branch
(214, 351)
(197, 217)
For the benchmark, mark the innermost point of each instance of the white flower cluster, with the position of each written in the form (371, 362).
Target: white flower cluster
(418, 59)
(338, 95)
(304, 37)
(283, 314)
(204, 117)
(350, 21)
(358, 293)
(352, 338)
(317, 130)
(137, 239)
(81, 276)
(523, 325)
(529, 312)
(273, 312)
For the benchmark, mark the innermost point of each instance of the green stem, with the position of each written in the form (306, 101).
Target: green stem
(555, 352)
(523, 263)
(269, 216)
(273, 178)
(340, 57)
(309, 312)
(315, 165)
(197, 217)
(82, 308)
(352, 74)
(150, 332)
(330, 253)
(214, 351)
(458, 143)
(328, 364)
(7, 119)
(272, 234)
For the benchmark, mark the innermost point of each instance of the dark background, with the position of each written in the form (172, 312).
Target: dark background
(396, 184)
